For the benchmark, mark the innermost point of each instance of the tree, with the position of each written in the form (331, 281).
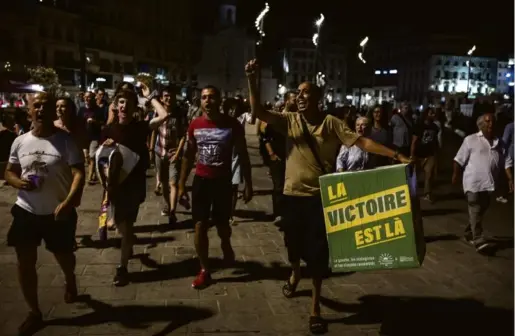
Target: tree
(48, 78)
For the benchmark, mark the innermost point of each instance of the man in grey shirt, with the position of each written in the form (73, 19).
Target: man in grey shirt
(402, 126)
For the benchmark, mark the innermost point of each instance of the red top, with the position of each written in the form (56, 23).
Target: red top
(214, 142)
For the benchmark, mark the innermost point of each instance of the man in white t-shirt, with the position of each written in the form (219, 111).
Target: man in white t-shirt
(47, 168)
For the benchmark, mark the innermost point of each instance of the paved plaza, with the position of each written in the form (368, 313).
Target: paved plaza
(455, 292)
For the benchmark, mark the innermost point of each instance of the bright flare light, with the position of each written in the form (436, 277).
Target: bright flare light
(360, 56)
(320, 21)
(471, 50)
(315, 39)
(363, 42)
(261, 19)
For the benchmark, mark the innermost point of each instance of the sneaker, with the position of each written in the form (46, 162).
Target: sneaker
(121, 277)
(278, 220)
(165, 211)
(33, 323)
(428, 198)
(482, 246)
(502, 199)
(202, 280)
(468, 239)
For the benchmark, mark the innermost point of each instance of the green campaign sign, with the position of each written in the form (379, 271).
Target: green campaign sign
(372, 219)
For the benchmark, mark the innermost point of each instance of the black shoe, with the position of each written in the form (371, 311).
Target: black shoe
(121, 277)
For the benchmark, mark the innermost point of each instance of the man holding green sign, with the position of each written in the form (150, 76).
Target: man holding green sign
(312, 142)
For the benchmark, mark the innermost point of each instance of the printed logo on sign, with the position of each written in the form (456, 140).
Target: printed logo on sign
(405, 259)
(386, 259)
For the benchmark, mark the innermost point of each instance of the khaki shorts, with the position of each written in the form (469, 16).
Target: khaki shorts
(167, 172)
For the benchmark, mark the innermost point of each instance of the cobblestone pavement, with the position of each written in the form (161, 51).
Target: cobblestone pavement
(455, 292)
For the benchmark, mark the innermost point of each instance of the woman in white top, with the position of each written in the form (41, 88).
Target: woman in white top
(353, 158)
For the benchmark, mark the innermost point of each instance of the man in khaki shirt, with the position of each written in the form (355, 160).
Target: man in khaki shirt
(304, 228)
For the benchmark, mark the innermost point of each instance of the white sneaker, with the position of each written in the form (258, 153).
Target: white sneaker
(502, 199)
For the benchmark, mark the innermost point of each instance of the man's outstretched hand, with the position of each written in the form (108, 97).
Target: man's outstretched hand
(251, 68)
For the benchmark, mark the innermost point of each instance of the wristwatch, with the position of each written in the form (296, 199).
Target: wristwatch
(152, 95)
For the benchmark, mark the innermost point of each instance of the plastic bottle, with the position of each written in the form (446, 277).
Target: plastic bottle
(102, 222)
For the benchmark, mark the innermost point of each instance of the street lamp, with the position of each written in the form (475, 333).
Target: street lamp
(469, 53)
(260, 23)
(316, 39)
(362, 45)
(260, 26)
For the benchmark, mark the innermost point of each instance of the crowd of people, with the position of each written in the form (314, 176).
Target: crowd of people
(50, 156)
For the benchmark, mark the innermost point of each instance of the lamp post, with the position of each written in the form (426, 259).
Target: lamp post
(260, 27)
(316, 39)
(362, 45)
(469, 53)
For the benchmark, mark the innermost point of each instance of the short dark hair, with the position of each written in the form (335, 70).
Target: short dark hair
(119, 87)
(127, 94)
(218, 94)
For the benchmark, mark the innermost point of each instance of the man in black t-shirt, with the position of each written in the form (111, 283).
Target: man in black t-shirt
(424, 148)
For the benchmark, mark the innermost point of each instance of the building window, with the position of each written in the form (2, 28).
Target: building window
(455, 75)
(447, 75)
(463, 75)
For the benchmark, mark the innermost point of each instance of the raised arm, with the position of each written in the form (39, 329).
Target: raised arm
(161, 113)
(257, 109)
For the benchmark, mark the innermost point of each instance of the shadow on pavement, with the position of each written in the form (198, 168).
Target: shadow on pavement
(263, 192)
(87, 242)
(450, 196)
(444, 237)
(425, 316)
(137, 317)
(439, 212)
(255, 215)
(242, 271)
(164, 228)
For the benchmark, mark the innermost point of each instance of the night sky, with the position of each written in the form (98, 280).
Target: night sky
(491, 23)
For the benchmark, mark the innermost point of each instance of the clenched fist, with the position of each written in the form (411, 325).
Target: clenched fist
(251, 68)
